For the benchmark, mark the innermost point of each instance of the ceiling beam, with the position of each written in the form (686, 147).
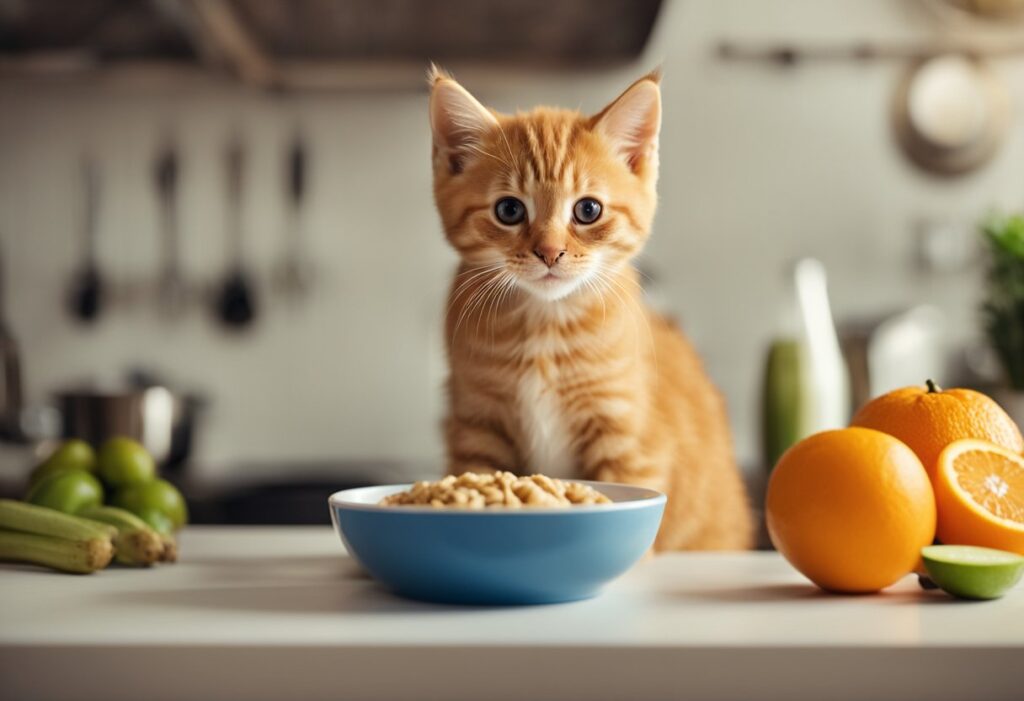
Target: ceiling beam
(219, 36)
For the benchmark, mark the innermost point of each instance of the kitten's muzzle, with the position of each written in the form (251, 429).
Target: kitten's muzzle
(549, 254)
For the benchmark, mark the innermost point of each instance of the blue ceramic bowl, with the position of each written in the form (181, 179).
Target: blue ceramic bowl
(497, 556)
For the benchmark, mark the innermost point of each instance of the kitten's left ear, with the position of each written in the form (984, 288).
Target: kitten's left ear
(633, 120)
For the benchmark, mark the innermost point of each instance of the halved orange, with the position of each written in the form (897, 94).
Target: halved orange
(979, 492)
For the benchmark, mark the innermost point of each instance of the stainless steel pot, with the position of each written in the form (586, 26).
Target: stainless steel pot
(164, 422)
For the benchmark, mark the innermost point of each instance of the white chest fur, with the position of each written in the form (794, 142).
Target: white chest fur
(545, 427)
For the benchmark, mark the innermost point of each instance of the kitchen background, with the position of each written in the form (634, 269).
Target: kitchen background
(761, 165)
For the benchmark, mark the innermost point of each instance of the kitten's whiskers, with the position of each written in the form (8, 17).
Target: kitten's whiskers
(474, 293)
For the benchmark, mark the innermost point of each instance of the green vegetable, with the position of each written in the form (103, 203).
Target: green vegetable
(124, 462)
(159, 495)
(67, 491)
(1004, 306)
(73, 454)
(41, 520)
(135, 543)
(43, 536)
(170, 552)
(970, 572)
(76, 556)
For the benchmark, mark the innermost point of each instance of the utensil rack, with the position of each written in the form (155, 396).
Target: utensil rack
(792, 54)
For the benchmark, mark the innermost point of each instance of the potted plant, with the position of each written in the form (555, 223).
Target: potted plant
(1004, 306)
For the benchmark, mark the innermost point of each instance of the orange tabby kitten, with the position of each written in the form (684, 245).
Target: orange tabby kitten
(557, 366)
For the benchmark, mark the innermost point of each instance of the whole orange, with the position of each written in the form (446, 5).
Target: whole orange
(851, 509)
(929, 418)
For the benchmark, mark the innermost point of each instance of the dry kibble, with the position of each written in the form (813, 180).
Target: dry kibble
(471, 490)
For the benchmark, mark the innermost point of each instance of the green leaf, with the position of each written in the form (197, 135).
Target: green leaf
(1003, 311)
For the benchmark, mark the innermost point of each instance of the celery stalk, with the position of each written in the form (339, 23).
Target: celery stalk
(76, 556)
(20, 516)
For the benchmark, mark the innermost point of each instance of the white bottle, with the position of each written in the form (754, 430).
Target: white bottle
(826, 380)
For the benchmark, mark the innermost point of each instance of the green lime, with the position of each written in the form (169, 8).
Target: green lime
(73, 454)
(971, 572)
(123, 461)
(157, 520)
(158, 495)
(67, 490)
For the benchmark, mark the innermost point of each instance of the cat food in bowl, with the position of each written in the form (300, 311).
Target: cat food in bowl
(503, 554)
(471, 490)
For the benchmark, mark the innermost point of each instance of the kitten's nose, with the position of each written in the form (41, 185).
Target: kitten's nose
(549, 254)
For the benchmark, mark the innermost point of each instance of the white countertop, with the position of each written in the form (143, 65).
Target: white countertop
(274, 613)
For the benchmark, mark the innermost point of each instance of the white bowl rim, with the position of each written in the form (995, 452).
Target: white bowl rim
(644, 497)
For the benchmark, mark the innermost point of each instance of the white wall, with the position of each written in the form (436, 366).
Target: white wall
(759, 166)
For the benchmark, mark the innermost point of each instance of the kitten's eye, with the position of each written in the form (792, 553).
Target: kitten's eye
(510, 211)
(587, 210)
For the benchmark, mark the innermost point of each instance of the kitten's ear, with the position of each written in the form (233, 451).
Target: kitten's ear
(633, 120)
(457, 119)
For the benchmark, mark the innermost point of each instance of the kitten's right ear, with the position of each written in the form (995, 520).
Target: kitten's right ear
(457, 119)
(632, 122)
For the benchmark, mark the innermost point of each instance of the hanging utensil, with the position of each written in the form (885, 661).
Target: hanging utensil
(171, 289)
(951, 114)
(294, 274)
(85, 294)
(11, 397)
(236, 302)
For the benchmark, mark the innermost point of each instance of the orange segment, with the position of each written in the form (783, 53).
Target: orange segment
(994, 481)
(980, 496)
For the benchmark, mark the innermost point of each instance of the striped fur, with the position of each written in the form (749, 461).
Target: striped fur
(562, 369)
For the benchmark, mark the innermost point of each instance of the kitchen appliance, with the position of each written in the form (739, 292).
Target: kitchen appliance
(162, 420)
(282, 491)
(894, 350)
